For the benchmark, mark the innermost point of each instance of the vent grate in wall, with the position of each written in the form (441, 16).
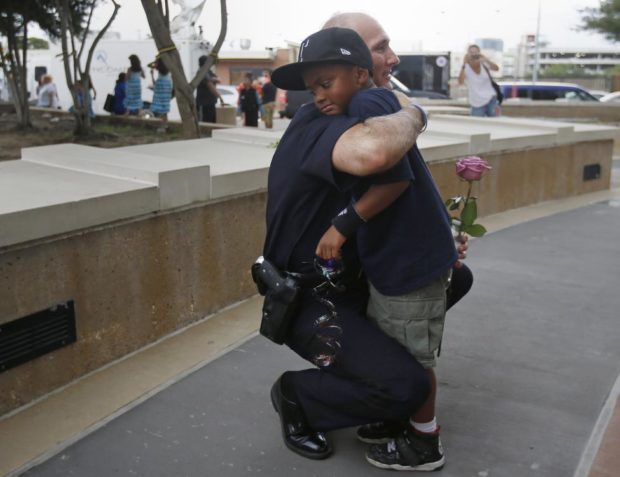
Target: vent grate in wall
(34, 335)
(591, 172)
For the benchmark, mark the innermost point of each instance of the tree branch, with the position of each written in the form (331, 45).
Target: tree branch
(60, 5)
(87, 28)
(202, 72)
(102, 32)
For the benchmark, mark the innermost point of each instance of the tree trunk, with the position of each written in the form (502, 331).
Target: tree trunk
(15, 73)
(79, 80)
(171, 58)
(25, 119)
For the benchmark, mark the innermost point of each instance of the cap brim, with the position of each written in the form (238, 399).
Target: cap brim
(289, 77)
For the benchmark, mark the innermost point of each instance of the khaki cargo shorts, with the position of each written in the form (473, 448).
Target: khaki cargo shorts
(415, 320)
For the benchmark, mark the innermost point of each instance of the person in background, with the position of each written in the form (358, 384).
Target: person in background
(269, 99)
(249, 102)
(119, 94)
(48, 94)
(162, 92)
(207, 95)
(133, 93)
(475, 71)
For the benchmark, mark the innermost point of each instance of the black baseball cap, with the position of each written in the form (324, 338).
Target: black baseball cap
(338, 45)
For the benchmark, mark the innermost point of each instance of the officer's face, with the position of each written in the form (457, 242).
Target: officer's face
(333, 86)
(378, 42)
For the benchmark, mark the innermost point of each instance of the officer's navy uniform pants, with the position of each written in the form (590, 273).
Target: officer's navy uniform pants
(373, 377)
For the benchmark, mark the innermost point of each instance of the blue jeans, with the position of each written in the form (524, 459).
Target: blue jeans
(486, 110)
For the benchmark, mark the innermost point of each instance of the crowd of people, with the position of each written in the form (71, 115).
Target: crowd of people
(256, 96)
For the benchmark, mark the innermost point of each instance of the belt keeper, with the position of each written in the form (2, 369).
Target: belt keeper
(348, 221)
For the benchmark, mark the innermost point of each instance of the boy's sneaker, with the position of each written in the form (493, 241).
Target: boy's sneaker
(409, 451)
(380, 432)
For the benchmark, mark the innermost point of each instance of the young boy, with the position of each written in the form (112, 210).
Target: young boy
(406, 251)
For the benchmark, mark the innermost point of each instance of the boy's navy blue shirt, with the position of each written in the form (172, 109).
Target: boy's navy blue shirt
(304, 190)
(410, 243)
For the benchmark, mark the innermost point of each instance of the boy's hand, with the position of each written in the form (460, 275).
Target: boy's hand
(461, 247)
(330, 244)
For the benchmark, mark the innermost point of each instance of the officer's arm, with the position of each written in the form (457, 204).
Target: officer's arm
(378, 143)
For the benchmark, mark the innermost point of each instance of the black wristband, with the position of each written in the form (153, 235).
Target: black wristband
(348, 221)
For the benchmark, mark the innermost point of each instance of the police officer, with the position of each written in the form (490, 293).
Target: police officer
(372, 377)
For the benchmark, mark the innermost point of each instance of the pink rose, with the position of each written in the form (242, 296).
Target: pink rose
(471, 168)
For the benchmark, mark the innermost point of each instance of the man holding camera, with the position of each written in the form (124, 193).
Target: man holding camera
(475, 70)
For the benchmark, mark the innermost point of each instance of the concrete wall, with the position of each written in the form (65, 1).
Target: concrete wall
(132, 283)
(600, 112)
(521, 178)
(148, 239)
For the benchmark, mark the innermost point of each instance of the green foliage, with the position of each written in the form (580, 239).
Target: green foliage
(33, 43)
(475, 230)
(16, 14)
(469, 212)
(615, 71)
(562, 71)
(38, 44)
(466, 209)
(454, 203)
(604, 20)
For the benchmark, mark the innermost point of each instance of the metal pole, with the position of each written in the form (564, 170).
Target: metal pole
(537, 48)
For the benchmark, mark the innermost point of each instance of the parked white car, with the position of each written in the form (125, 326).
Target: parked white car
(597, 93)
(611, 97)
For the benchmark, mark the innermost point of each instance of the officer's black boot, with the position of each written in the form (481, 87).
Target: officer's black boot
(298, 436)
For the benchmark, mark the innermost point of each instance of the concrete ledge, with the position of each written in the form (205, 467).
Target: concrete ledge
(477, 142)
(435, 109)
(40, 201)
(573, 111)
(180, 182)
(437, 146)
(257, 137)
(502, 136)
(236, 167)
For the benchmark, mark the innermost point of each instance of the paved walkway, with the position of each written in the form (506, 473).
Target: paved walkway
(529, 367)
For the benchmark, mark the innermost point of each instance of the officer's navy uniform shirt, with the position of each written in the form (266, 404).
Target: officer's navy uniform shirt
(304, 190)
(410, 243)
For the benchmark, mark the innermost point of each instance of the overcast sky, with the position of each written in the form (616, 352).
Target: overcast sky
(429, 25)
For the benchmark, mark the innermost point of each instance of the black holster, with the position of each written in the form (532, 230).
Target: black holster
(281, 294)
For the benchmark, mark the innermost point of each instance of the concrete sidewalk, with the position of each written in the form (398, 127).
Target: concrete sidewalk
(529, 363)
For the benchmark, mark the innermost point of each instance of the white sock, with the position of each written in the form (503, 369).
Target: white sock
(425, 427)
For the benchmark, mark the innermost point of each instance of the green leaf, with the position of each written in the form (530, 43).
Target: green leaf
(469, 213)
(453, 202)
(475, 230)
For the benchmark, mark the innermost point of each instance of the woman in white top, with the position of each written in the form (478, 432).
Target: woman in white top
(475, 69)
(48, 95)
